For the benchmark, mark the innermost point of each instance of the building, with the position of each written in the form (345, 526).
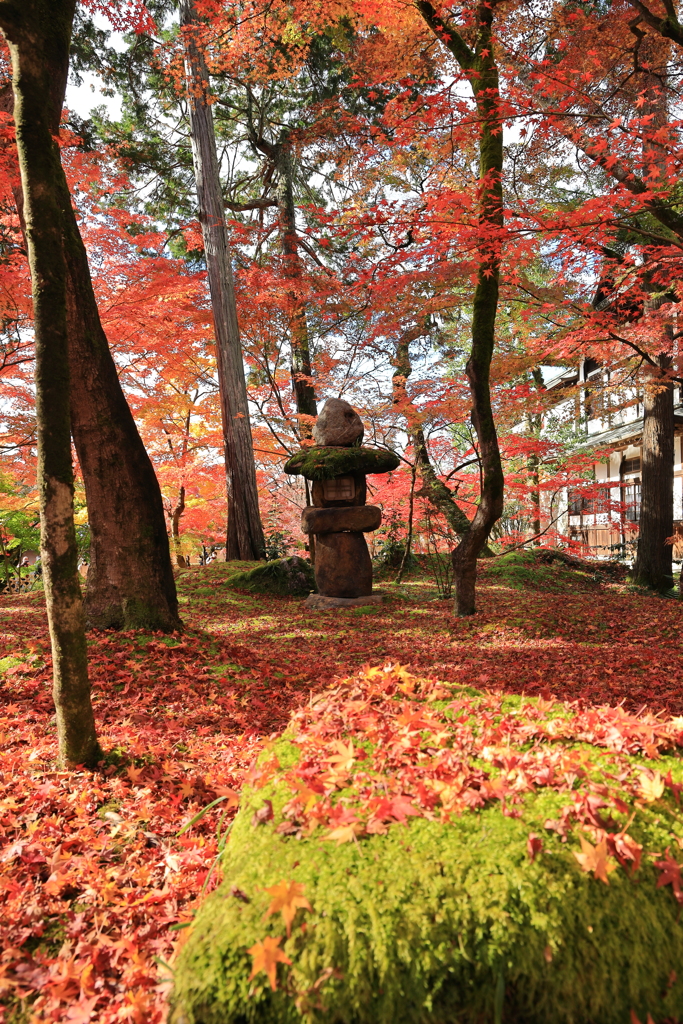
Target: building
(605, 524)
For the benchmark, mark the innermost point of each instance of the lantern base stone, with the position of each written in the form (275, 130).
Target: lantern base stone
(320, 603)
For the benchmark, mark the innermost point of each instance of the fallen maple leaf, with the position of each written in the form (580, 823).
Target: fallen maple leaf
(345, 833)
(595, 859)
(670, 875)
(534, 845)
(263, 814)
(344, 757)
(651, 786)
(287, 898)
(266, 956)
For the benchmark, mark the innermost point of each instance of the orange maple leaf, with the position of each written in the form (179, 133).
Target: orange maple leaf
(266, 956)
(288, 897)
(596, 859)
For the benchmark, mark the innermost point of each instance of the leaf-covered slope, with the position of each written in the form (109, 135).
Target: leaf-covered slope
(537, 877)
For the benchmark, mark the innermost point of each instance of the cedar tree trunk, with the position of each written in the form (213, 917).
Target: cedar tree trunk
(38, 31)
(652, 567)
(480, 66)
(245, 538)
(653, 563)
(130, 580)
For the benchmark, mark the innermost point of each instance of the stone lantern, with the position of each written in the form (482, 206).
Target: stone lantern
(337, 467)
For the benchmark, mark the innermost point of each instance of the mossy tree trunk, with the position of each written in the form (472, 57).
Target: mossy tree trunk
(280, 156)
(38, 33)
(480, 66)
(245, 538)
(436, 491)
(130, 580)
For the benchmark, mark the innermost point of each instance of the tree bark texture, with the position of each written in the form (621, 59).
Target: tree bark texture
(652, 566)
(38, 31)
(245, 538)
(130, 581)
(481, 68)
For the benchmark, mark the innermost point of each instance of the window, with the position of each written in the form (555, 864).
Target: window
(575, 503)
(630, 466)
(631, 499)
(597, 503)
(340, 489)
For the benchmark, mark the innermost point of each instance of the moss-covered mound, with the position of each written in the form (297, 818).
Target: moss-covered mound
(541, 569)
(326, 463)
(282, 576)
(448, 861)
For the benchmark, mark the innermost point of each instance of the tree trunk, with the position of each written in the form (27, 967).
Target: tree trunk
(302, 382)
(130, 580)
(175, 528)
(279, 156)
(652, 566)
(245, 538)
(435, 490)
(35, 31)
(534, 425)
(480, 66)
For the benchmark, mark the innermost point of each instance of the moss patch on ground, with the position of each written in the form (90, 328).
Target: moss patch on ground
(283, 576)
(540, 569)
(457, 857)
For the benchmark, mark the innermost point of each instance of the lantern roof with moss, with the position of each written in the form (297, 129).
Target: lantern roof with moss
(325, 463)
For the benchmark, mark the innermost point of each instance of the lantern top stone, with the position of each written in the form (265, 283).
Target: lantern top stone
(338, 425)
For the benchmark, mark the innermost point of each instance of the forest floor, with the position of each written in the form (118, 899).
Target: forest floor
(94, 878)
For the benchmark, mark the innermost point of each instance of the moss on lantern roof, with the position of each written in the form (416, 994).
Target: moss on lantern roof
(327, 463)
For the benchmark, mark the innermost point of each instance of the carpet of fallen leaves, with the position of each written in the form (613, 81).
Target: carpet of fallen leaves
(94, 878)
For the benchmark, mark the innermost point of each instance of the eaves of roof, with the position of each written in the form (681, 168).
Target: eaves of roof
(629, 432)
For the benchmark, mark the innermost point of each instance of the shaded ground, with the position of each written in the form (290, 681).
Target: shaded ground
(93, 878)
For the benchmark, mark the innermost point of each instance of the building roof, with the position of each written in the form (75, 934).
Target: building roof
(627, 433)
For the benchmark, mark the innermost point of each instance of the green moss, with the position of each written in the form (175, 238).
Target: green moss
(8, 663)
(326, 463)
(435, 924)
(284, 576)
(537, 569)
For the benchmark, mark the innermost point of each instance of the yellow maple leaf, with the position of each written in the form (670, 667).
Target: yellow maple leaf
(596, 859)
(651, 788)
(288, 897)
(344, 757)
(345, 833)
(266, 956)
